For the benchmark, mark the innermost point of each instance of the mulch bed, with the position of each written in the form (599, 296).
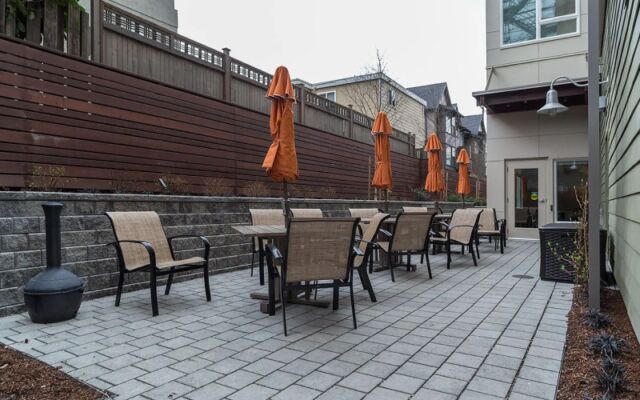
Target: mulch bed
(580, 366)
(25, 378)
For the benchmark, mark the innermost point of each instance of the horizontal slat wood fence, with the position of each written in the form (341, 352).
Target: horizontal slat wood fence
(108, 128)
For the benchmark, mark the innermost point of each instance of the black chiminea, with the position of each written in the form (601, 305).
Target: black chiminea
(54, 294)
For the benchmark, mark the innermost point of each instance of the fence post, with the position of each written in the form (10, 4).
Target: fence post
(226, 82)
(303, 104)
(34, 25)
(96, 30)
(53, 25)
(73, 30)
(3, 7)
(351, 121)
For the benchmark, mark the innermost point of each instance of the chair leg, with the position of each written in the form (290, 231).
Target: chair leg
(253, 257)
(353, 305)
(501, 246)
(167, 289)
(153, 285)
(207, 287)
(462, 249)
(120, 284)
(371, 265)
(391, 265)
(477, 251)
(336, 296)
(448, 255)
(426, 254)
(473, 254)
(283, 300)
(366, 283)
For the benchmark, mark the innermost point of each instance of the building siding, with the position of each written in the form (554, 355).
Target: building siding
(620, 131)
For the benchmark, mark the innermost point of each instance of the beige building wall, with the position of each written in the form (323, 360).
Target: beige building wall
(407, 116)
(526, 135)
(537, 62)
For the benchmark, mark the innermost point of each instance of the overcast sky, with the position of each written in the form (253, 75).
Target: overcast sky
(423, 41)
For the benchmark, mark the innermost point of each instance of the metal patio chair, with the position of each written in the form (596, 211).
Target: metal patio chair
(367, 246)
(461, 230)
(263, 217)
(410, 236)
(492, 227)
(142, 246)
(319, 251)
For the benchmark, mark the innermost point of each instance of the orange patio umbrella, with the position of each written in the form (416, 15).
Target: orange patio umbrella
(382, 177)
(435, 179)
(464, 187)
(281, 161)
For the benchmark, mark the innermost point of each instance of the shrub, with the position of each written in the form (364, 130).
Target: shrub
(214, 186)
(328, 193)
(175, 184)
(597, 319)
(610, 377)
(419, 194)
(47, 178)
(607, 345)
(255, 189)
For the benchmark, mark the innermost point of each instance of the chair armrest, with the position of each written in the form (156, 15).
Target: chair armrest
(147, 246)
(385, 232)
(205, 241)
(357, 251)
(441, 224)
(274, 254)
(451, 227)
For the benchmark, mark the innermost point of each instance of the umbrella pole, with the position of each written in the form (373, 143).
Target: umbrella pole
(285, 201)
(462, 201)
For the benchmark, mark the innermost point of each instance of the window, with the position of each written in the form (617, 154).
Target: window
(450, 156)
(328, 95)
(527, 20)
(450, 125)
(571, 178)
(392, 97)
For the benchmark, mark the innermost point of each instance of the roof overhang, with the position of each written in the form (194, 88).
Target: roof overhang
(531, 97)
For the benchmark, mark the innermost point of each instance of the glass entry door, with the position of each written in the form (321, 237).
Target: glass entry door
(526, 198)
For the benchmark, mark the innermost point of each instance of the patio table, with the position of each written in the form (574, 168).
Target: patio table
(269, 300)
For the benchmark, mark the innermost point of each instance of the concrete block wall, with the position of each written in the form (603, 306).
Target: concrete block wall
(86, 230)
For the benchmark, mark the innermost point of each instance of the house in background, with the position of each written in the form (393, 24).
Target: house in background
(535, 163)
(376, 91)
(159, 12)
(455, 132)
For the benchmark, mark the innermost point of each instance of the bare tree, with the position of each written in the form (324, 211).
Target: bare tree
(375, 91)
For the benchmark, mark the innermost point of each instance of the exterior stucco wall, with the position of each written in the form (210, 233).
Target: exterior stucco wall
(537, 62)
(526, 135)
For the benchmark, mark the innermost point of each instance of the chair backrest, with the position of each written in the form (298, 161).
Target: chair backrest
(488, 220)
(469, 218)
(306, 213)
(410, 231)
(319, 248)
(371, 230)
(267, 217)
(363, 212)
(411, 210)
(140, 225)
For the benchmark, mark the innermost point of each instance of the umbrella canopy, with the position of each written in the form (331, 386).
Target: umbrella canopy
(464, 187)
(382, 130)
(281, 161)
(435, 178)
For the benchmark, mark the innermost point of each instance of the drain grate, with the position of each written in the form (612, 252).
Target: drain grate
(523, 276)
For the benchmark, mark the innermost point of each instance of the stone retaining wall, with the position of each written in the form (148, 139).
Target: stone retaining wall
(86, 230)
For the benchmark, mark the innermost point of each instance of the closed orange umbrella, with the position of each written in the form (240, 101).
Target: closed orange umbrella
(435, 179)
(382, 130)
(464, 187)
(281, 161)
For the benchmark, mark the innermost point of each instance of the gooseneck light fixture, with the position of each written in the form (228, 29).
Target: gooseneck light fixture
(553, 105)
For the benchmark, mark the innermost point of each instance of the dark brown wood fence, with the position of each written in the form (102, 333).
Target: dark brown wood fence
(106, 128)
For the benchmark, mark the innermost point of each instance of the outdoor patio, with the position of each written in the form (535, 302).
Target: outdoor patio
(469, 333)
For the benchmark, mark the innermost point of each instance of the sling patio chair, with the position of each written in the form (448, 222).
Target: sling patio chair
(263, 217)
(367, 246)
(306, 213)
(490, 226)
(319, 251)
(142, 246)
(362, 213)
(461, 230)
(410, 236)
(410, 210)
